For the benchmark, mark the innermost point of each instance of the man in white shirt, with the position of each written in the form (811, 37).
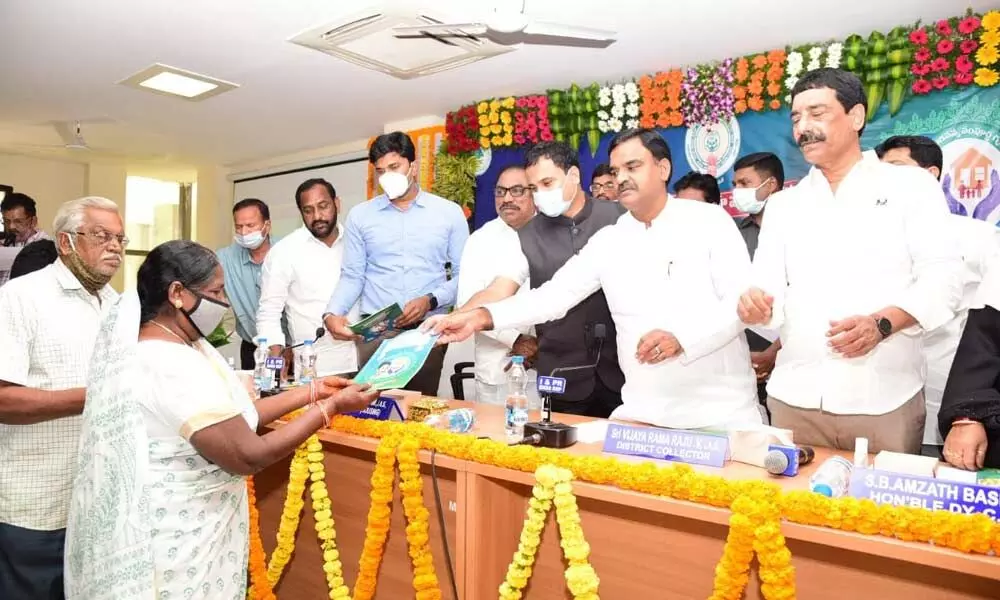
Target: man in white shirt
(49, 321)
(852, 268)
(480, 261)
(672, 271)
(299, 275)
(979, 243)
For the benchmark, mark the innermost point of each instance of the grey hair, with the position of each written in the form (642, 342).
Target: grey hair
(69, 218)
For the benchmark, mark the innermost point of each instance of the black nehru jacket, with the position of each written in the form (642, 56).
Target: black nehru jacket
(547, 243)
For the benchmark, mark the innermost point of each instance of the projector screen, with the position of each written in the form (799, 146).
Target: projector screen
(348, 174)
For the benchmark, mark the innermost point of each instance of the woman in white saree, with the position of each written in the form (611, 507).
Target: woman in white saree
(159, 507)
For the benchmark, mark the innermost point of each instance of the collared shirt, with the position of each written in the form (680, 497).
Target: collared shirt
(546, 243)
(9, 253)
(979, 243)
(825, 257)
(750, 231)
(395, 255)
(48, 328)
(299, 274)
(479, 268)
(684, 275)
(243, 282)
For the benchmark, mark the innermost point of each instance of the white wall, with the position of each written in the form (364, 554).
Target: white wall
(49, 182)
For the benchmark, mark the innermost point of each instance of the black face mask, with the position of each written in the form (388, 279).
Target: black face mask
(8, 238)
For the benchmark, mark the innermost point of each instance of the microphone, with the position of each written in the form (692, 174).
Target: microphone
(779, 459)
(320, 332)
(547, 433)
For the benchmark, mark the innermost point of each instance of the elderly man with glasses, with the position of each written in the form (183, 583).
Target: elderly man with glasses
(49, 322)
(480, 267)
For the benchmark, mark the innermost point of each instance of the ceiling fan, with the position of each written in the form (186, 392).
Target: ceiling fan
(506, 17)
(71, 134)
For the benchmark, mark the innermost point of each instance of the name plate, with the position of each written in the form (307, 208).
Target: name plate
(883, 487)
(383, 409)
(551, 385)
(667, 444)
(274, 362)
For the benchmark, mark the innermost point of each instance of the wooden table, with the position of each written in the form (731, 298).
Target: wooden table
(642, 546)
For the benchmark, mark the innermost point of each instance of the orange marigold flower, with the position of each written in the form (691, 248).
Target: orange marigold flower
(739, 92)
(775, 104)
(756, 88)
(759, 61)
(755, 103)
(773, 89)
(741, 107)
(676, 119)
(776, 57)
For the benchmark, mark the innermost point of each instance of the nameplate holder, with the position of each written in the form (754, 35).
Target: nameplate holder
(690, 447)
(883, 487)
(382, 409)
(274, 363)
(551, 385)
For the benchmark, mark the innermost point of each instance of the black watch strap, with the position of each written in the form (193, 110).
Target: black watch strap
(884, 326)
(434, 301)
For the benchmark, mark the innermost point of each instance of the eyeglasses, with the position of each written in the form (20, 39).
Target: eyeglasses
(607, 187)
(104, 238)
(516, 191)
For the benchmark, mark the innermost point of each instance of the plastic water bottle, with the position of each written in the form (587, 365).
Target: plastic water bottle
(832, 478)
(516, 405)
(263, 378)
(458, 420)
(307, 363)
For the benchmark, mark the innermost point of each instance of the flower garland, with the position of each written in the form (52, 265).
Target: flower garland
(462, 129)
(619, 107)
(988, 55)
(733, 571)
(260, 587)
(411, 484)
(942, 58)
(496, 122)
(326, 531)
(967, 533)
(379, 512)
(661, 99)
(290, 514)
(552, 486)
(531, 120)
(757, 82)
(821, 55)
(708, 94)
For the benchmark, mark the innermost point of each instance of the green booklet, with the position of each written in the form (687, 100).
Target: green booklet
(397, 360)
(378, 323)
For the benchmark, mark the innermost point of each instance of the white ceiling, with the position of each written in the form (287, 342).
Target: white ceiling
(60, 59)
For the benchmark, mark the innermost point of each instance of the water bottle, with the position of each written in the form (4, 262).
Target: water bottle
(833, 478)
(459, 420)
(516, 405)
(307, 363)
(263, 378)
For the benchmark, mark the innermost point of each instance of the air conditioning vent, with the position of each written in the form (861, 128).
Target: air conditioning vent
(367, 40)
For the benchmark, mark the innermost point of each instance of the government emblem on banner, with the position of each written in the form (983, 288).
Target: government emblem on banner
(713, 149)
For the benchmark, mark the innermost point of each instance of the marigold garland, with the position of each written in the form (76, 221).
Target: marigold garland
(411, 484)
(291, 513)
(758, 82)
(326, 531)
(383, 478)
(987, 55)
(552, 486)
(661, 99)
(260, 587)
(496, 122)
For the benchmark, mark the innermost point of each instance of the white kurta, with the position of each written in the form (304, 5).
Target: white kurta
(298, 278)
(825, 257)
(150, 517)
(684, 275)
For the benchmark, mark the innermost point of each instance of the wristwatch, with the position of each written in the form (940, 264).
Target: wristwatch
(434, 301)
(884, 326)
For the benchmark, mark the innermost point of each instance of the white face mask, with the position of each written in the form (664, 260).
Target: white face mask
(250, 241)
(551, 202)
(206, 314)
(745, 199)
(395, 185)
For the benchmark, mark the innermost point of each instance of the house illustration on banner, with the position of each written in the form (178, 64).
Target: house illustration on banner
(970, 173)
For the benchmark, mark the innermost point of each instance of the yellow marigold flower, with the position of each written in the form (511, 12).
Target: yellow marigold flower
(987, 55)
(991, 20)
(986, 77)
(482, 107)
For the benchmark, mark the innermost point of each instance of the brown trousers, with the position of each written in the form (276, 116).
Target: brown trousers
(427, 379)
(901, 430)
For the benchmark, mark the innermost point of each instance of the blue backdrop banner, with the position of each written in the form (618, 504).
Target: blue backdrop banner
(966, 123)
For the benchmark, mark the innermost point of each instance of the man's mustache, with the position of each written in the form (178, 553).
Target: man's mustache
(808, 137)
(509, 205)
(628, 185)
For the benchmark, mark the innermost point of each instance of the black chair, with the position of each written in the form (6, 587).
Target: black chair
(457, 386)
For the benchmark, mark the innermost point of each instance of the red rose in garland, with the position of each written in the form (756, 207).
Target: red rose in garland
(942, 54)
(462, 129)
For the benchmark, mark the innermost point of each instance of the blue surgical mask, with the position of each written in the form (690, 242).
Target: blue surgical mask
(250, 241)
